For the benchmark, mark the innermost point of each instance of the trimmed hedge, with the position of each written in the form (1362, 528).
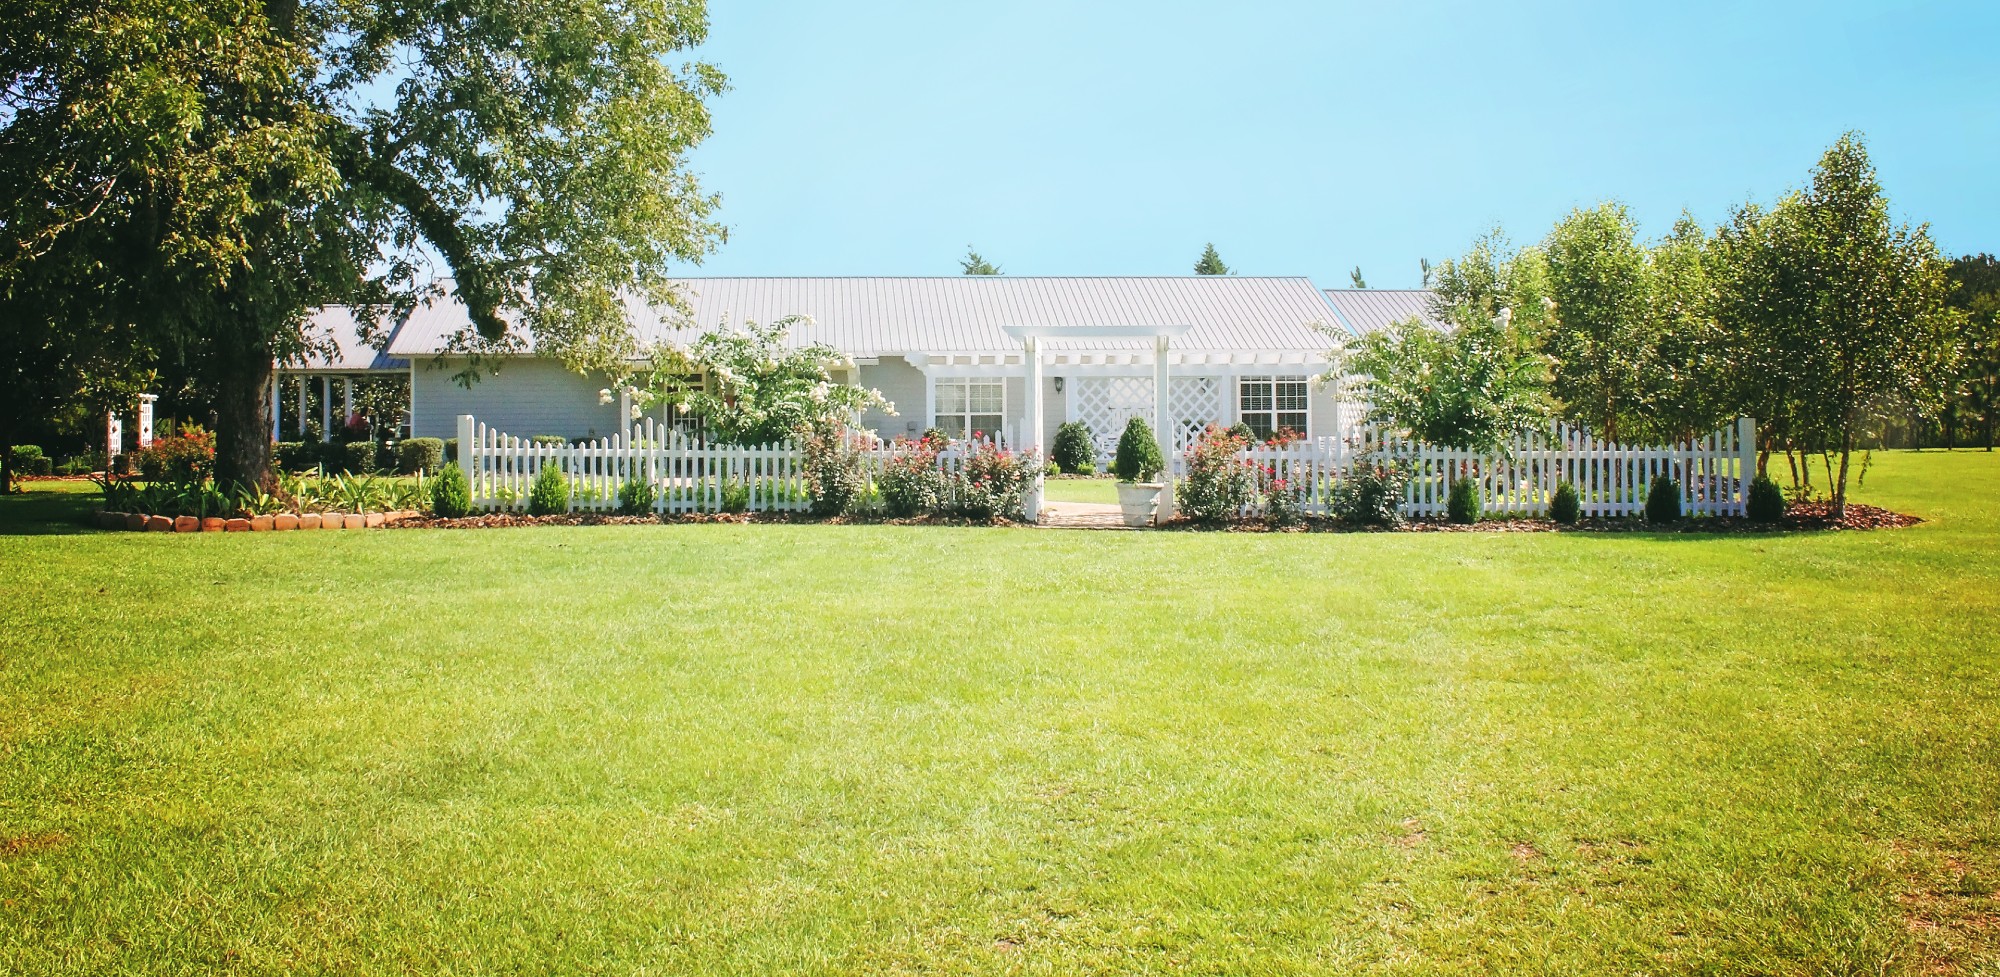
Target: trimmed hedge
(358, 456)
(419, 454)
(27, 459)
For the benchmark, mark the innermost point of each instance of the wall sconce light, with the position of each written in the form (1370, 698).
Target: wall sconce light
(1059, 381)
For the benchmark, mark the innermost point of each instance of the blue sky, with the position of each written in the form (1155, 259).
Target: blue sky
(1306, 138)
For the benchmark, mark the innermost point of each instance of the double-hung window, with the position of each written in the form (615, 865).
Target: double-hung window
(971, 408)
(1272, 404)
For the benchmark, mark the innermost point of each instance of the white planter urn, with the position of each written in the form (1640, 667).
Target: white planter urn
(1137, 501)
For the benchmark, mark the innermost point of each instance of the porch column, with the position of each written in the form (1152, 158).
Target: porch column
(146, 418)
(325, 408)
(277, 404)
(1162, 418)
(625, 412)
(302, 406)
(1032, 503)
(346, 400)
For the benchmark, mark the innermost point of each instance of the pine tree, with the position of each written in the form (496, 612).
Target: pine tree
(1210, 263)
(974, 264)
(1355, 277)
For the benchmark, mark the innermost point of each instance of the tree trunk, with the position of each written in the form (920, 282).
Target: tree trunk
(243, 421)
(6, 465)
(1840, 483)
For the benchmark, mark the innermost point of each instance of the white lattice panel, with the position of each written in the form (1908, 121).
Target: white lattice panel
(1107, 404)
(1195, 402)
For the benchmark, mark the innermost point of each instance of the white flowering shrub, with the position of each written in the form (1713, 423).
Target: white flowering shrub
(751, 385)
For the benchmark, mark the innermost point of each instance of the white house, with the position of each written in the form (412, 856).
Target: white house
(952, 352)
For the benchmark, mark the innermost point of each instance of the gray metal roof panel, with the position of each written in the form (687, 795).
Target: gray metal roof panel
(967, 313)
(1366, 310)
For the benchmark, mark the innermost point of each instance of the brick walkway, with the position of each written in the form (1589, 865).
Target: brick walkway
(1081, 515)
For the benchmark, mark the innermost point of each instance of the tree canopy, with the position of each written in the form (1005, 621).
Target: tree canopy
(210, 172)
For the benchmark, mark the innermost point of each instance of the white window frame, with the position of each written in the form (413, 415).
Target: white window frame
(1269, 382)
(965, 417)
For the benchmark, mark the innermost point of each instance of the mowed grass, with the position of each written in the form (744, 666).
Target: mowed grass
(828, 750)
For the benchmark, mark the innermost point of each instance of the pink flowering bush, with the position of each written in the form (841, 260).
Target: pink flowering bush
(911, 482)
(994, 480)
(1218, 484)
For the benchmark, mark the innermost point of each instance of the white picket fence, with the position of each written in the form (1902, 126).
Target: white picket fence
(689, 475)
(1610, 479)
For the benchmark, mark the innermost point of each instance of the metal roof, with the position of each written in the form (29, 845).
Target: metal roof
(970, 313)
(350, 355)
(1366, 310)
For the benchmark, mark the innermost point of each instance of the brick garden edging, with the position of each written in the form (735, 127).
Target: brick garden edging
(280, 522)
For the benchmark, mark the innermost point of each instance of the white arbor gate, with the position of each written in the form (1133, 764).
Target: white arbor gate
(1107, 404)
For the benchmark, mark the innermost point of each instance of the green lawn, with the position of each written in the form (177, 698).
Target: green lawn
(806, 749)
(1101, 489)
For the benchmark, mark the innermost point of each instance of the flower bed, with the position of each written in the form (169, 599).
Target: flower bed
(1799, 517)
(270, 522)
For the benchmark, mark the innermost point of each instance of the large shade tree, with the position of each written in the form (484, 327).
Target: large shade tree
(211, 170)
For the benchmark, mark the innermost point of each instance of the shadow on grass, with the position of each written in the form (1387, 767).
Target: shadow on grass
(42, 512)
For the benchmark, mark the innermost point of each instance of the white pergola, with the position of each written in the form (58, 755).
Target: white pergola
(1031, 348)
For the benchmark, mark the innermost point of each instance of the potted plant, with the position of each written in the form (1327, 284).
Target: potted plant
(1137, 464)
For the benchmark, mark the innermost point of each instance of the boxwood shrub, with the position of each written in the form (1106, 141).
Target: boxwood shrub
(1073, 451)
(1462, 504)
(636, 497)
(1138, 458)
(1766, 502)
(358, 456)
(1564, 507)
(451, 495)
(419, 454)
(1663, 500)
(548, 495)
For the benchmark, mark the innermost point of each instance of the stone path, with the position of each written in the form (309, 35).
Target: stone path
(1081, 515)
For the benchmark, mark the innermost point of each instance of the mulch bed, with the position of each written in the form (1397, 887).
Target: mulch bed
(1799, 517)
(505, 520)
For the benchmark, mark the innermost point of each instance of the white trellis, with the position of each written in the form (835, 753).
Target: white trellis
(1107, 404)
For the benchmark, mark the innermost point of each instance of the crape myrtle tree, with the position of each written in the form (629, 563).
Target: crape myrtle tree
(1975, 396)
(1836, 316)
(1472, 376)
(1596, 335)
(213, 170)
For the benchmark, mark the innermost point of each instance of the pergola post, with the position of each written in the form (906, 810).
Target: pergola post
(1032, 504)
(146, 419)
(1162, 429)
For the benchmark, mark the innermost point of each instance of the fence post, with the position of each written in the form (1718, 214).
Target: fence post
(465, 449)
(1746, 461)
